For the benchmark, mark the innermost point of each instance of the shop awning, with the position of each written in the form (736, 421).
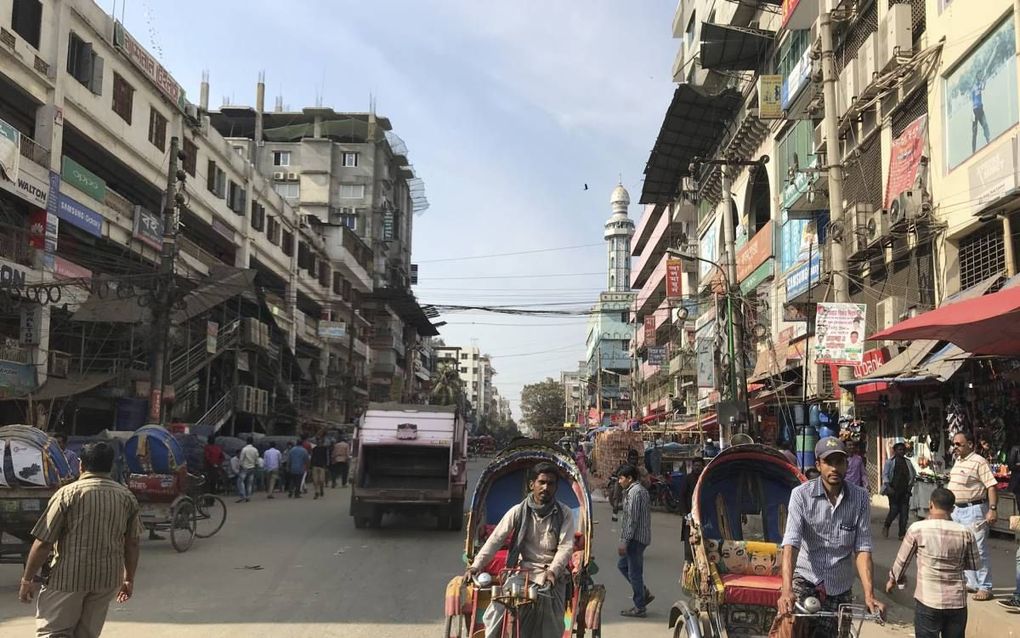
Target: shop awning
(766, 396)
(726, 48)
(226, 283)
(693, 125)
(989, 324)
(55, 388)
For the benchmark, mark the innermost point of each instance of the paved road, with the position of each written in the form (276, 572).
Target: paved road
(321, 577)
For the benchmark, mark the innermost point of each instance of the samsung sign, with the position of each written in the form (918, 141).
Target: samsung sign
(79, 215)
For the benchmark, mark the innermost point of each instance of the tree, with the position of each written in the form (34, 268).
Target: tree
(543, 404)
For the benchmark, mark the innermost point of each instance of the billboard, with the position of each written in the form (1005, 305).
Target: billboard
(839, 333)
(674, 278)
(980, 95)
(770, 97)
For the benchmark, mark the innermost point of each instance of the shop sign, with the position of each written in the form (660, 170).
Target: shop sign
(29, 188)
(148, 65)
(649, 330)
(804, 276)
(16, 378)
(52, 213)
(754, 252)
(332, 330)
(709, 250)
(10, 152)
(800, 14)
(674, 278)
(905, 158)
(770, 97)
(995, 176)
(656, 355)
(31, 325)
(79, 215)
(760, 274)
(839, 333)
(13, 275)
(799, 77)
(64, 269)
(83, 179)
(873, 360)
(706, 362)
(148, 227)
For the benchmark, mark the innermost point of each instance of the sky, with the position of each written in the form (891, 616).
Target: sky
(508, 109)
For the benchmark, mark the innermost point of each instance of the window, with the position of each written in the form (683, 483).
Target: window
(190, 161)
(273, 230)
(287, 190)
(463, 356)
(350, 160)
(236, 197)
(338, 283)
(241, 150)
(258, 216)
(123, 96)
(352, 191)
(288, 243)
(281, 158)
(84, 65)
(463, 370)
(157, 129)
(216, 180)
(27, 20)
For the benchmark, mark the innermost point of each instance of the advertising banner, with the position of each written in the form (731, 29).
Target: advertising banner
(839, 333)
(770, 97)
(650, 330)
(674, 278)
(10, 152)
(804, 276)
(332, 330)
(657, 355)
(83, 179)
(905, 158)
(754, 252)
(706, 362)
(80, 216)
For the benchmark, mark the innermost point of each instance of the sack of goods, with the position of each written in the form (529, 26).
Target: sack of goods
(30, 457)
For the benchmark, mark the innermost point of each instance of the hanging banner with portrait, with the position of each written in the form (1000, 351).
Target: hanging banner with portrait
(839, 333)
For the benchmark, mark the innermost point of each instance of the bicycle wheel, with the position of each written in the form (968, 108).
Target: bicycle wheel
(211, 515)
(182, 524)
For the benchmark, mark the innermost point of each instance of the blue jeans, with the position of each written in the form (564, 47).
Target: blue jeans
(974, 518)
(245, 479)
(632, 566)
(1016, 594)
(939, 623)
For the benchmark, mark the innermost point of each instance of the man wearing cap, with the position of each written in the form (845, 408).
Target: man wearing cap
(828, 534)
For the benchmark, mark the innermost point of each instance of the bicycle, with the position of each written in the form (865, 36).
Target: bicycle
(846, 615)
(515, 590)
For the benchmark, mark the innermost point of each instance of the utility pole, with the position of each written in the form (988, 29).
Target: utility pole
(165, 290)
(834, 170)
(598, 381)
(736, 319)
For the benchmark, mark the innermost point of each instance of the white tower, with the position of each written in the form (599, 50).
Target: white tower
(619, 230)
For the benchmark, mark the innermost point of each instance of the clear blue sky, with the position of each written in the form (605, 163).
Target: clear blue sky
(508, 108)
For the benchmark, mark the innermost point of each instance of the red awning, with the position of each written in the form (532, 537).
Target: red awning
(982, 325)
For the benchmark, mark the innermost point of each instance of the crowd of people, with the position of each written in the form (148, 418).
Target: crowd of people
(319, 460)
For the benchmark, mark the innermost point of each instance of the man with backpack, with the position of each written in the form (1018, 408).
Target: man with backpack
(898, 477)
(540, 531)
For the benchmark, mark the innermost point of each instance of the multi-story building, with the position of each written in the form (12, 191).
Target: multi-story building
(608, 340)
(476, 371)
(574, 394)
(266, 334)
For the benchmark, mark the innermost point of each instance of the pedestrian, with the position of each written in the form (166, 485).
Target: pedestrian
(69, 455)
(248, 460)
(214, 458)
(234, 467)
(320, 465)
(91, 526)
(305, 443)
(297, 462)
(1013, 602)
(855, 471)
(635, 537)
(271, 466)
(341, 460)
(944, 550)
(616, 492)
(285, 466)
(828, 534)
(972, 483)
(898, 476)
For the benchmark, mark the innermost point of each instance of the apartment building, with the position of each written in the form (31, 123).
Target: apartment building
(268, 333)
(475, 370)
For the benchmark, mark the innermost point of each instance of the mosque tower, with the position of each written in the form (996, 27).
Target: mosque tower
(619, 230)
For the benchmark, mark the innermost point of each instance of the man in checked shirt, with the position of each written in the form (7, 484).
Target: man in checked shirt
(828, 534)
(944, 549)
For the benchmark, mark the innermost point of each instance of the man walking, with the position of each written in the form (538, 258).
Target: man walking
(297, 462)
(828, 534)
(972, 483)
(271, 466)
(1013, 603)
(93, 526)
(247, 460)
(341, 460)
(944, 549)
(72, 459)
(856, 474)
(214, 458)
(898, 477)
(320, 465)
(635, 537)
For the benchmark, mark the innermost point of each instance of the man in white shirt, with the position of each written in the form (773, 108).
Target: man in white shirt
(248, 459)
(271, 465)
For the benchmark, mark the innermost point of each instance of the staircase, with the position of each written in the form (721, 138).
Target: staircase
(197, 357)
(219, 413)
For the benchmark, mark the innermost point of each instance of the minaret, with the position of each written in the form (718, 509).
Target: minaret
(619, 230)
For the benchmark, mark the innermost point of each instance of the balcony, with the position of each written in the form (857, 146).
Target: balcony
(387, 339)
(32, 150)
(352, 257)
(11, 351)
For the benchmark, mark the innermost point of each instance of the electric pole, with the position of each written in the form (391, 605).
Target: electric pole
(736, 319)
(834, 169)
(165, 289)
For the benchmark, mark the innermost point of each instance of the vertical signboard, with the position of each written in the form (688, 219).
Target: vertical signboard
(839, 333)
(650, 330)
(674, 278)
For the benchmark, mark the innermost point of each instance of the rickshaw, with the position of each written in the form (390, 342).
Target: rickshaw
(502, 485)
(32, 468)
(171, 499)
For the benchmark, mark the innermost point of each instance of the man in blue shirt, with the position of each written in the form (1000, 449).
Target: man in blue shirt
(297, 464)
(828, 533)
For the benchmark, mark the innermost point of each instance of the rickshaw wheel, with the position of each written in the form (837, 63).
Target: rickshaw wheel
(213, 512)
(183, 522)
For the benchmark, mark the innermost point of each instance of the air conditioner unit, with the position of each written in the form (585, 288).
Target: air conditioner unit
(867, 62)
(905, 208)
(293, 177)
(897, 36)
(850, 81)
(876, 229)
(888, 312)
(60, 364)
(191, 111)
(244, 398)
(279, 176)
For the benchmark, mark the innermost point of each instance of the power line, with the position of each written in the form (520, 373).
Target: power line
(513, 254)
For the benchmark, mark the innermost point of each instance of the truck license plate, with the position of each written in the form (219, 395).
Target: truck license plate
(8, 505)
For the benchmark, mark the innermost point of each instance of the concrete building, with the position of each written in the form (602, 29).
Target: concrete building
(256, 342)
(476, 371)
(575, 394)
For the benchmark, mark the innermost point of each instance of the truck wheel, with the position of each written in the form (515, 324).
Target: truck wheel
(456, 516)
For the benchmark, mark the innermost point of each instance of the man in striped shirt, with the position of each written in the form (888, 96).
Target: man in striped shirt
(635, 537)
(944, 549)
(828, 533)
(972, 483)
(93, 527)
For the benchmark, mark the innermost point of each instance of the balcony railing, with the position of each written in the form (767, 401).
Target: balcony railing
(119, 203)
(14, 353)
(35, 151)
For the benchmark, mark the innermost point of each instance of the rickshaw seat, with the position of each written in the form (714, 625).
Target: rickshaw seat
(746, 589)
(748, 570)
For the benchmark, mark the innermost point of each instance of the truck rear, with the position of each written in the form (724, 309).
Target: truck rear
(409, 458)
